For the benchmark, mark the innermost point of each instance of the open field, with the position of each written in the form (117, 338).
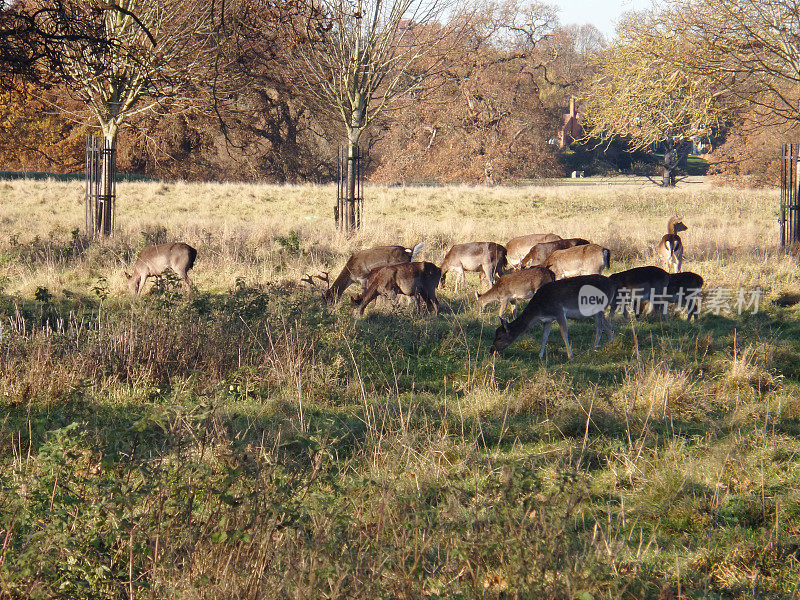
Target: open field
(250, 442)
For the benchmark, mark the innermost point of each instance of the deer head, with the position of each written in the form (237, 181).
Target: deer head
(309, 279)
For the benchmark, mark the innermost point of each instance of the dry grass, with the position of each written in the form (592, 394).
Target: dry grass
(731, 239)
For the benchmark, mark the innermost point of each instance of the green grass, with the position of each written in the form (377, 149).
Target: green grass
(251, 442)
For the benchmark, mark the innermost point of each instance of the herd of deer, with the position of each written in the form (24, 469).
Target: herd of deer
(558, 276)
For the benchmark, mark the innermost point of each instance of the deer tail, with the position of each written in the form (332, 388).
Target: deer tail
(416, 250)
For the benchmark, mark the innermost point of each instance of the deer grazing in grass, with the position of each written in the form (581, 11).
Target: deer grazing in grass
(580, 297)
(518, 247)
(417, 280)
(361, 263)
(541, 252)
(589, 259)
(514, 286)
(670, 249)
(154, 260)
(485, 257)
(638, 285)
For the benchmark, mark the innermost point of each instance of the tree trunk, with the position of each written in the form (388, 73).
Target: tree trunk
(669, 166)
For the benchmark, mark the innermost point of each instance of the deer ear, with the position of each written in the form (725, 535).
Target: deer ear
(477, 296)
(503, 323)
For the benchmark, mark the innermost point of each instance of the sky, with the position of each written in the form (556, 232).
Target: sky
(603, 14)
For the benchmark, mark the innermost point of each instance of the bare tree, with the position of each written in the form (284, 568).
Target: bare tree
(150, 51)
(373, 53)
(28, 44)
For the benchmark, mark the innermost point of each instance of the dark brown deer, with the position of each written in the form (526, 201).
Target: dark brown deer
(541, 252)
(487, 258)
(154, 260)
(417, 280)
(362, 262)
(683, 289)
(589, 259)
(518, 247)
(638, 285)
(670, 249)
(580, 297)
(514, 286)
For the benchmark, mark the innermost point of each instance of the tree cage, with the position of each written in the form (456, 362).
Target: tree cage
(101, 186)
(348, 211)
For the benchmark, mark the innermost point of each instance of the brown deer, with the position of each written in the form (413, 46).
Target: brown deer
(683, 289)
(589, 259)
(517, 285)
(418, 280)
(670, 250)
(485, 257)
(580, 297)
(518, 247)
(541, 252)
(154, 260)
(638, 285)
(362, 262)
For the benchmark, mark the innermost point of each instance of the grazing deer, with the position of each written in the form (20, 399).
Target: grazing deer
(518, 247)
(574, 298)
(362, 262)
(517, 285)
(486, 257)
(683, 289)
(589, 259)
(541, 252)
(154, 260)
(670, 250)
(637, 285)
(417, 280)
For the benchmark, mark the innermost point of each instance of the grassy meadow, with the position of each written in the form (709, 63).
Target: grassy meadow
(250, 442)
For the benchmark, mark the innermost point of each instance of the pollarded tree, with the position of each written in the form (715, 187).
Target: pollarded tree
(639, 94)
(372, 53)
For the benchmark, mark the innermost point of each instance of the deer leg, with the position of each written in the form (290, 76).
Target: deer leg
(545, 335)
(503, 306)
(417, 299)
(488, 273)
(562, 325)
(140, 287)
(433, 301)
(187, 283)
(598, 327)
(607, 326)
(459, 277)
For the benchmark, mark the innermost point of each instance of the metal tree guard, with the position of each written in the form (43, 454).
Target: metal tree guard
(790, 195)
(101, 186)
(349, 208)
